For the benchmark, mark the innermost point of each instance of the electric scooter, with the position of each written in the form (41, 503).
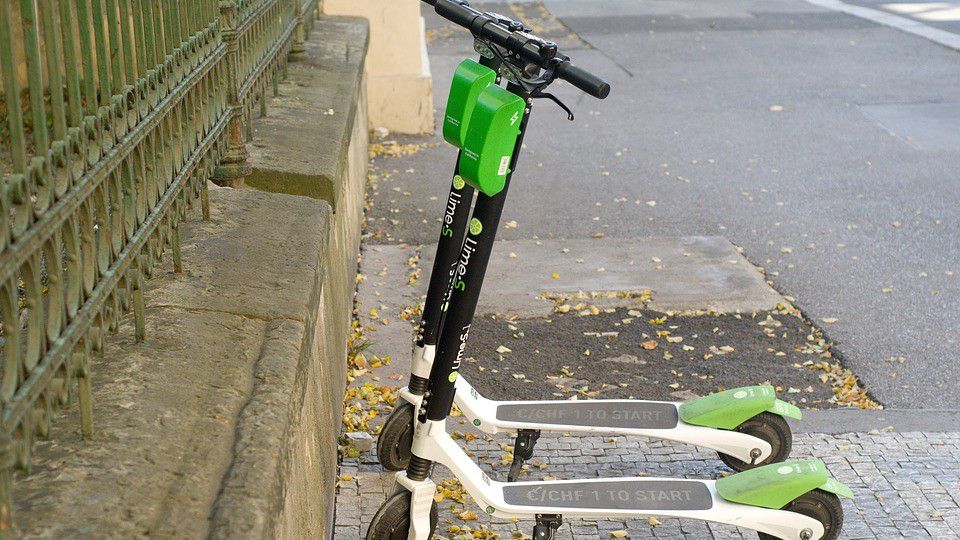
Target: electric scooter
(791, 500)
(746, 426)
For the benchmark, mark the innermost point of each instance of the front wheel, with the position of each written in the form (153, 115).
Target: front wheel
(820, 505)
(392, 520)
(773, 429)
(396, 438)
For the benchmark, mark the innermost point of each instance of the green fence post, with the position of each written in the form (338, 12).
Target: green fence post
(135, 279)
(233, 166)
(298, 47)
(6, 487)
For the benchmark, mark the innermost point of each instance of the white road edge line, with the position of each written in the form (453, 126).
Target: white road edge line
(910, 26)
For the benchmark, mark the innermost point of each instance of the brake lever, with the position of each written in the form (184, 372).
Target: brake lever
(555, 99)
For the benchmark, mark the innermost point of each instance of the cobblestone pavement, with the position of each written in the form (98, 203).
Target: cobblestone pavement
(907, 485)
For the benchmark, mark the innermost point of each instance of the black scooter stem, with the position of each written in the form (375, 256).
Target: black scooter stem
(452, 231)
(474, 256)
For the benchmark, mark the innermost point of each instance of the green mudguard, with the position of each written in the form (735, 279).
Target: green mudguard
(775, 485)
(730, 408)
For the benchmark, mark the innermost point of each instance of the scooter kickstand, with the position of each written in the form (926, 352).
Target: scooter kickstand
(522, 451)
(546, 527)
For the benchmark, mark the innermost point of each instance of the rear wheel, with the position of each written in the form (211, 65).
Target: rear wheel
(820, 505)
(396, 438)
(392, 520)
(771, 428)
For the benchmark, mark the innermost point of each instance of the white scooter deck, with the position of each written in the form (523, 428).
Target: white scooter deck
(591, 499)
(654, 419)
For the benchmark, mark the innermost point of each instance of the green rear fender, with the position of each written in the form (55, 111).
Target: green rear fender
(775, 485)
(730, 408)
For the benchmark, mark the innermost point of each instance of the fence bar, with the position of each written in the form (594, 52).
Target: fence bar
(11, 86)
(119, 112)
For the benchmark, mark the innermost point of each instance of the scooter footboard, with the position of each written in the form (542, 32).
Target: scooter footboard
(642, 497)
(605, 414)
(611, 495)
(597, 498)
(658, 419)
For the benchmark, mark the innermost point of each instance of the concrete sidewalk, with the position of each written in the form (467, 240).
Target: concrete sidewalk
(906, 484)
(803, 135)
(901, 464)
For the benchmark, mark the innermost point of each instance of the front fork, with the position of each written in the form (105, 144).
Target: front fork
(421, 500)
(422, 360)
(426, 443)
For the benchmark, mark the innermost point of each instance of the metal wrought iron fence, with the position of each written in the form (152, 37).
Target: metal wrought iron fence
(114, 115)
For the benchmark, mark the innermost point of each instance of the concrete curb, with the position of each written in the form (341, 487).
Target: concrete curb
(310, 123)
(194, 421)
(316, 146)
(836, 421)
(252, 491)
(910, 26)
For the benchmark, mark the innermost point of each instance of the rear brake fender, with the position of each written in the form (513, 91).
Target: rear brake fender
(730, 408)
(775, 485)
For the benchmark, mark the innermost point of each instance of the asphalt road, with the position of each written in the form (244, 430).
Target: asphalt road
(823, 144)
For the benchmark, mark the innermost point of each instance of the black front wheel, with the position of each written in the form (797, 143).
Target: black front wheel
(396, 438)
(392, 520)
(771, 428)
(820, 505)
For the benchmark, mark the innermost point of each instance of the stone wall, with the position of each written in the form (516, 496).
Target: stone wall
(224, 421)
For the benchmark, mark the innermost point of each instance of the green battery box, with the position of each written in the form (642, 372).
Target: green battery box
(491, 137)
(469, 81)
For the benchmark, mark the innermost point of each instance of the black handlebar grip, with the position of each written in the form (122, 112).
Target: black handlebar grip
(455, 12)
(584, 80)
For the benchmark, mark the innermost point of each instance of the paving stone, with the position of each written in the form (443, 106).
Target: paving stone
(894, 498)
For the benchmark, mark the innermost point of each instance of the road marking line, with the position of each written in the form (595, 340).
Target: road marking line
(910, 26)
(928, 11)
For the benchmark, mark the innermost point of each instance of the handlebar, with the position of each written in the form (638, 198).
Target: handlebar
(455, 12)
(584, 80)
(459, 12)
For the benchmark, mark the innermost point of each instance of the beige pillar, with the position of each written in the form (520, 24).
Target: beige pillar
(399, 86)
